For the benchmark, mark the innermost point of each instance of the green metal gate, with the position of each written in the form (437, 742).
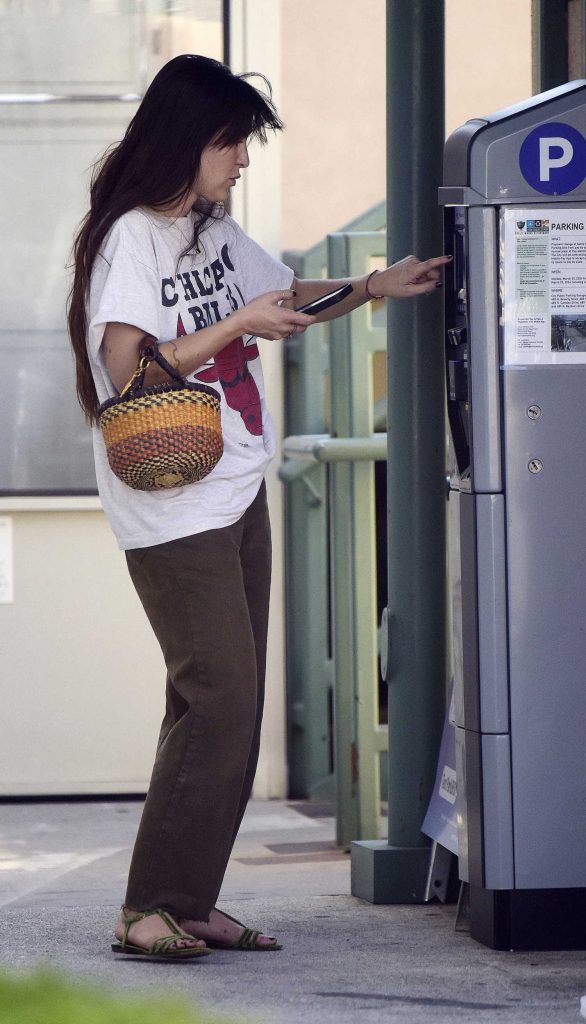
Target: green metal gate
(335, 735)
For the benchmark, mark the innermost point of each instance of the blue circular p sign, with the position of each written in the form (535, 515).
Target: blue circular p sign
(553, 158)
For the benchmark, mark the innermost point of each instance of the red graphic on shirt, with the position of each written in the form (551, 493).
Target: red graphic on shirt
(238, 384)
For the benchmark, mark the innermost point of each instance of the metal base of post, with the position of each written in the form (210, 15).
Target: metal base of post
(389, 874)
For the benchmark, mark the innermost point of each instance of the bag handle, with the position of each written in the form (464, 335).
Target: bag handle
(149, 353)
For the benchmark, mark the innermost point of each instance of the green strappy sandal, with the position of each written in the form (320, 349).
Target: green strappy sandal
(248, 939)
(161, 949)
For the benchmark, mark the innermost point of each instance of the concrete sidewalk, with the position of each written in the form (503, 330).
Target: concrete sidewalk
(63, 868)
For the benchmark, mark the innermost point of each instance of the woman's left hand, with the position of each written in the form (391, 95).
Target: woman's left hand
(408, 278)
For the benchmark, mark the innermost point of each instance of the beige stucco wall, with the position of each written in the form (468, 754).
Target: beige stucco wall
(488, 57)
(333, 89)
(333, 97)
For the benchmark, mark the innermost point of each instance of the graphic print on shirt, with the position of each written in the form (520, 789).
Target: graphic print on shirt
(229, 366)
(238, 384)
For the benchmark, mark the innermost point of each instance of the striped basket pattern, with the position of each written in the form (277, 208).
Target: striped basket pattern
(166, 436)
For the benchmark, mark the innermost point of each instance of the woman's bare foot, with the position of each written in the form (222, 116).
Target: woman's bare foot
(224, 930)
(144, 933)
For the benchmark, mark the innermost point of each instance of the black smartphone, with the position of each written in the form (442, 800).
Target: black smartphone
(325, 301)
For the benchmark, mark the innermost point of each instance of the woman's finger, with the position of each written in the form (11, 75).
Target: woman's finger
(435, 261)
(422, 288)
(300, 320)
(429, 275)
(281, 296)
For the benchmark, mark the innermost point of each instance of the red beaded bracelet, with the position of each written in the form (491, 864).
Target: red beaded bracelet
(369, 294)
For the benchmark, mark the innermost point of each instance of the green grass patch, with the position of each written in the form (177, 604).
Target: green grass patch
(47, 998)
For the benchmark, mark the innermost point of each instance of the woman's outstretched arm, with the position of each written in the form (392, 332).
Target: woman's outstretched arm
(408, 278)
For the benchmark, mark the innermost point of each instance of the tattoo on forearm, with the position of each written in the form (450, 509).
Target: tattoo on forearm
(175, 357)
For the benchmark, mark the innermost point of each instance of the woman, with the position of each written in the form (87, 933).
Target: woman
(158, 255)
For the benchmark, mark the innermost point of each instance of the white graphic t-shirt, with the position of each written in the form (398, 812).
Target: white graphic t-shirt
(136, 280)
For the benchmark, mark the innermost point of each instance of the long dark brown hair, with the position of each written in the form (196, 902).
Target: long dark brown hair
(193, 101)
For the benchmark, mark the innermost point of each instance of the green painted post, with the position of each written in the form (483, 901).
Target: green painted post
(396, 871)
(577, 40)
(549, 23)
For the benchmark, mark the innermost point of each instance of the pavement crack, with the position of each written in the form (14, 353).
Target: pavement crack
(413, 1000)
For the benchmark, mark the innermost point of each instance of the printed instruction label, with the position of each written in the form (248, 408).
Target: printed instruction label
(544, 302)
(6, 561)
(444, 810)
(448, 787)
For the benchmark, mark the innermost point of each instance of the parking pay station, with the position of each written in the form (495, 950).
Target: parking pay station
(515, 221)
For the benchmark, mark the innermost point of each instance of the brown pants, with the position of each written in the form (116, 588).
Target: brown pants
(206, 597)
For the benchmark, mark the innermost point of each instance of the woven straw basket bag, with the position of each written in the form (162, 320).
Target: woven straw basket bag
(166, 435)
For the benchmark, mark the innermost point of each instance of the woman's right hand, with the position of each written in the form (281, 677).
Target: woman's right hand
(266, 317)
